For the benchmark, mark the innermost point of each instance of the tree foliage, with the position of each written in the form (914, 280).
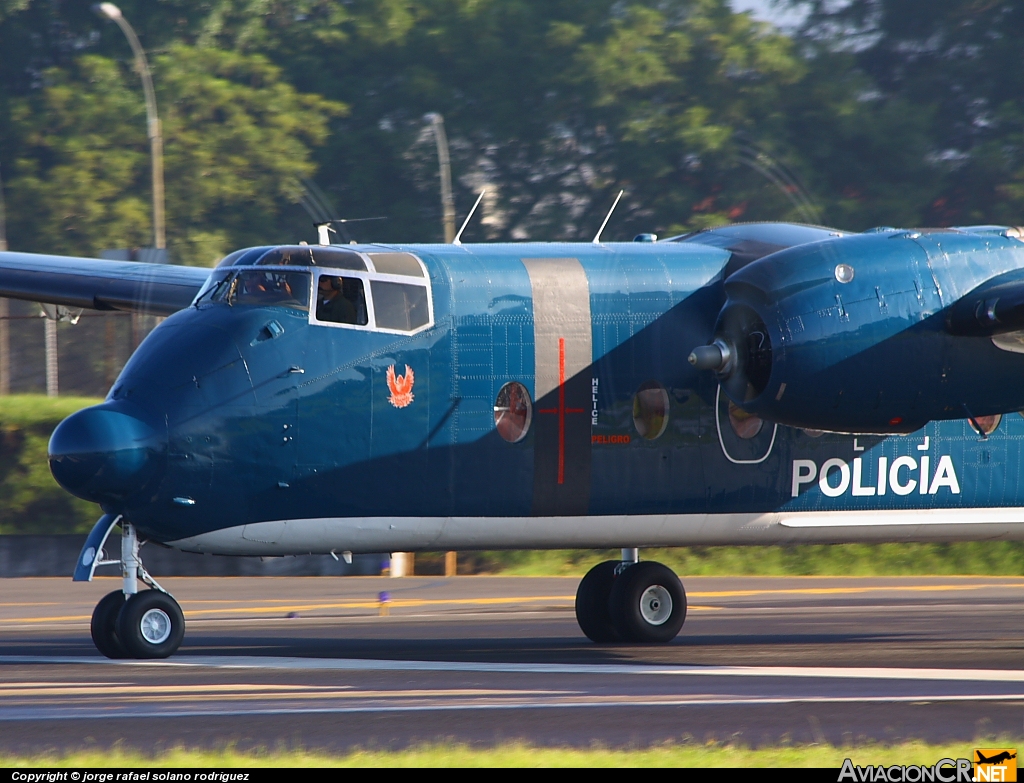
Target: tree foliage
(553, 106)
(238, 140)
(30, 500)
(957, 67)
(875, 112)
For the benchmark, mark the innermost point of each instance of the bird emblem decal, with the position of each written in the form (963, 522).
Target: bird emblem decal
(400, 386)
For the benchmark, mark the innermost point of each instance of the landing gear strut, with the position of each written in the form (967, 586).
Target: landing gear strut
(127, 623)
(630, 601)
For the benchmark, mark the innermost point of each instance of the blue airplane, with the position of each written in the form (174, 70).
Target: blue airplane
(761, 383)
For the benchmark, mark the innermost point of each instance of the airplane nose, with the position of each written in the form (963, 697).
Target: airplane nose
(104, 454)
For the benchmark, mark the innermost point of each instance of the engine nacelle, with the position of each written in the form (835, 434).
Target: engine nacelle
(853, 335)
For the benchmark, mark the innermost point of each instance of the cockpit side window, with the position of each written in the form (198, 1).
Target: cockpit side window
(341, 300)
(396, 264)
(265, 287)
(400, 307)
(390, 293)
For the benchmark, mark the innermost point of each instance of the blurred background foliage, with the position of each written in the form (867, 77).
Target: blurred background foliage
(871, 112)
(30, 500)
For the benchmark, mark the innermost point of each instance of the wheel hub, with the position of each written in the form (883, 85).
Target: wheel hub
(156, 626)
(656, 605)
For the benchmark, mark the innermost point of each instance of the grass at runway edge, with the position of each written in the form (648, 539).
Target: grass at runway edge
(990, 558)
(523, 755)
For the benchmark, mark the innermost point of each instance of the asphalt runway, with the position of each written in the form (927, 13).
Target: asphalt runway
(309, 662)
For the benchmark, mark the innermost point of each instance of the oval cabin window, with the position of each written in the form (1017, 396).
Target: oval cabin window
(988, 424)
(513, 412)
(650, 410)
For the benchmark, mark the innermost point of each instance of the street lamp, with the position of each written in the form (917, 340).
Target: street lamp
(444, 164)
(156, 144)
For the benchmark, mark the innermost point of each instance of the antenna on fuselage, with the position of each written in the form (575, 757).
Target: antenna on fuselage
(457, 240)
(597, 236)
(323, 233)
(326, 228)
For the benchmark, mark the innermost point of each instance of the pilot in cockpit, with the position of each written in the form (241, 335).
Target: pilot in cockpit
(265, 288)
(331, 304)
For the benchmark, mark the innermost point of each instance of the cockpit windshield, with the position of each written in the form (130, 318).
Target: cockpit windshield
(264, 287)
(376, 290)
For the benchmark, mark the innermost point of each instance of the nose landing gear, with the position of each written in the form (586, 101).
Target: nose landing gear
(127, 623)
(104, 625)
(630, 601)
(150, 625)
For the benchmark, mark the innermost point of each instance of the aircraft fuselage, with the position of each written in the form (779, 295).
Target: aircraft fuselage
(268, 431)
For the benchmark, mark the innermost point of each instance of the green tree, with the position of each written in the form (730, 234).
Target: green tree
(865, 157)
(239, 143)
(956, 68)
(701, 114)
(8, 7)
(78, 181)
(238, 140)
(30, 500)
(553, 106)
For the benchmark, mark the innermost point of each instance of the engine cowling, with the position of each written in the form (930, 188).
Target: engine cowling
(853, 335)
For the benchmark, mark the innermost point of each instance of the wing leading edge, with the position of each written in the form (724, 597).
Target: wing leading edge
(96, 284)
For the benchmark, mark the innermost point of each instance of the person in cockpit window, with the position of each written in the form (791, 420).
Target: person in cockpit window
(331, 306)
(352, 289)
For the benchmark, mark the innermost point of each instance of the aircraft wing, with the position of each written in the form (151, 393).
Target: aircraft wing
(97, 284)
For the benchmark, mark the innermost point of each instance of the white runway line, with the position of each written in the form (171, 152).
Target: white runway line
(25, 714)
(360, 664)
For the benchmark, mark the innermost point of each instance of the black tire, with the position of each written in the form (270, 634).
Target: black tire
(104, 625)
(150, 625)
(592, 603)
(638, 604)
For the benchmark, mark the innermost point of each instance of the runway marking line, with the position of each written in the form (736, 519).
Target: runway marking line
(401, 603)
(395, 604)
(89, 688)
(413, 603)
(398, 603)
(689, 594)
(252, 692)
(369, 664)
(843, 590)
(72, 713)
(29, 685)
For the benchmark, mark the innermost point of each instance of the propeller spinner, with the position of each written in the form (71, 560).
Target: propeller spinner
(740, 354)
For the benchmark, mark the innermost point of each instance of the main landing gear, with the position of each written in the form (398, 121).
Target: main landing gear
(630, 601)
(131, 624)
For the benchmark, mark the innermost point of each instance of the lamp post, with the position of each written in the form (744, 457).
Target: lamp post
(156, 144)
(445, 165)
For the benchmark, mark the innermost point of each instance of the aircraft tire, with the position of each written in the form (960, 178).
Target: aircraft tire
(592, 603)
(647, 604)
(104, 625)
(150, 625)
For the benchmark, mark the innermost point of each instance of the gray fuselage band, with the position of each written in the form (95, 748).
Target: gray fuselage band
(563, 346)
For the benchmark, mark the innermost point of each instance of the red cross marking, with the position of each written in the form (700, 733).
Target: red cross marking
(561, 410)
